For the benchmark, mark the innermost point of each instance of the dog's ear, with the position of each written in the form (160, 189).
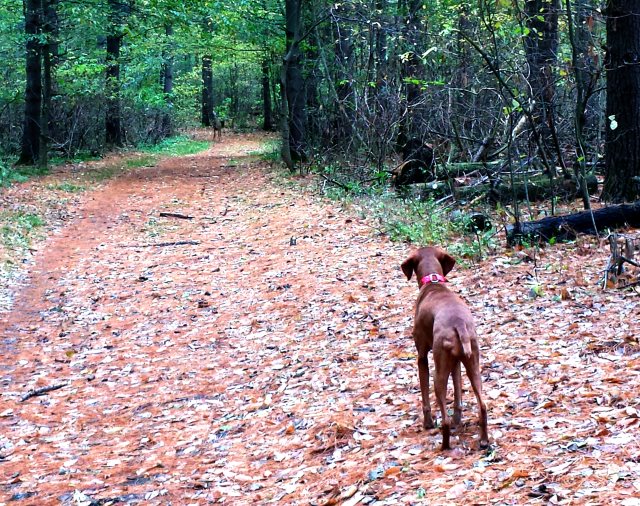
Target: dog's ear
(446, 261)
(409, 265)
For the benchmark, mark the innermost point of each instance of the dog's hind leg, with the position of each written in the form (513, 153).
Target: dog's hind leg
(472, 367)
(443, 371)
(457, 395)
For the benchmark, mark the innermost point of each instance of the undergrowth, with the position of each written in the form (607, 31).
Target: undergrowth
(146, 156)
(18, 174)
(269, 151)
(18, 229)
(414, 220)
(180, 145)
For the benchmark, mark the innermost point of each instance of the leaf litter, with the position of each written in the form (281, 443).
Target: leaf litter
(260, 353)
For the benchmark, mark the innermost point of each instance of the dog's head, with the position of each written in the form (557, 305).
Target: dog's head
(428, 260)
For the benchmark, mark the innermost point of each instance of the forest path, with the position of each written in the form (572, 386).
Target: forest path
(259, 353)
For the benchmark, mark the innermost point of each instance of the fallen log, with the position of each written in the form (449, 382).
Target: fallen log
(567, 227)
(540, 188)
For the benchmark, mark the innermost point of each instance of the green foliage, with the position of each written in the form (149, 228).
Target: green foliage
(77, 158)
(18, 229)
(105, 173)
(269, 151)
(177, 146)
(412, 220)
(68, 187)
(17, 174)
(145, 160)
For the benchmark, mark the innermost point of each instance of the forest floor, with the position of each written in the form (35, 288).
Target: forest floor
(260, 353)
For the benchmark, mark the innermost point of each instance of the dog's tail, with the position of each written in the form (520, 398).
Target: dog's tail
(464, 334)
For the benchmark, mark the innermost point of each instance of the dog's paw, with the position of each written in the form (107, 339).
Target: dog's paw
(428, 423)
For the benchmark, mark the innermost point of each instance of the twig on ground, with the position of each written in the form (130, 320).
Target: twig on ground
(162, 244)
(34, 392)
(333, 181)
(176, 215)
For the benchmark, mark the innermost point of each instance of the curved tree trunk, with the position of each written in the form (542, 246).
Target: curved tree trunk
(622, 148)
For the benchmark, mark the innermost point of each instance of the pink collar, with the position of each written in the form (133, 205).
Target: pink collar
(433, 278)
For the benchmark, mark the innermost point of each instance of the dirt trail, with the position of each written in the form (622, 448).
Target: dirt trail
(258, 353)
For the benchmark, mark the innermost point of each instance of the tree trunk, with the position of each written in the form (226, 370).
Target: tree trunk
(294, 82)
(113, 119)
(267, 110)
(32, 132)
(586, 78)
(412, 70)
(285, 149)
(459, 104)
(343, 49)
(541, 47)
(380, 49)
(167, 81)
(49, 61)
(622, 146)
(587, 71)
(207, 91)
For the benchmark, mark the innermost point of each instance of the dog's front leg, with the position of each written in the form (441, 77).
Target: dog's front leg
(423, 374)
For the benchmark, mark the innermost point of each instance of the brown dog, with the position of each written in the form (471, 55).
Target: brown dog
(443, 323)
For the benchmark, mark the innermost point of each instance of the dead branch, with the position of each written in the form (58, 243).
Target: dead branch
(176, 215)
(162, 244)
(41, 391)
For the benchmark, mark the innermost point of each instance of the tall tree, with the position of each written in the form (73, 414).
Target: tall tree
(293, 89)
(343, 50)
(207, 92)
(412, 71)
(49, 61)
(113, 118)
(622, 146)
(267, 110)
(541, 47)
(167, 80)
(32, 130)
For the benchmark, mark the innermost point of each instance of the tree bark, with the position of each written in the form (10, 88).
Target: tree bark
(541, 47)
(167, 81)
(294, 82)
(32, 131)
(566, 227)
(267, 109)
(49, 61)
(412, 69)
(113, 119)
(622, 145)
(343, 50)
(207, 92)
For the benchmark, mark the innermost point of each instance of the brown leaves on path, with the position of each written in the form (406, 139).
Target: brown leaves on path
(258, 353)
